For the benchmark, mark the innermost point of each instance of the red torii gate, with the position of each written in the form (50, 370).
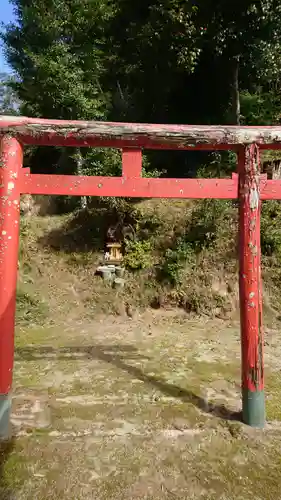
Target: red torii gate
(249, 186)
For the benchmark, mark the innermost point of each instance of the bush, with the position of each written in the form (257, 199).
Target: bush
(138, 254)
(271, 228)
(220, 164)
(205, 229)
(175, 261)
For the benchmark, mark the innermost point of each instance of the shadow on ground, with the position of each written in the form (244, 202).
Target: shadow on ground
(6, 448)
(120, 357)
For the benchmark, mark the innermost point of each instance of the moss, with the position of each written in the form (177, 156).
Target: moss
(13, 467)
(273, 403)
(30, 308)
(35, 335)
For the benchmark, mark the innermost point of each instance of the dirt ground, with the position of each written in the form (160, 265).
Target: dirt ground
(138, 408)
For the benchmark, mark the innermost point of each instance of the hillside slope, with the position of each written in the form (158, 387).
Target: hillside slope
(177, 254)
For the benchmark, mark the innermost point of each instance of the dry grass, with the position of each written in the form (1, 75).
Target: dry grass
(108, 406)
(143, 408)
(63, 252)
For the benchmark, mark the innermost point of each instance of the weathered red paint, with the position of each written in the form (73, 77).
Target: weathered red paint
(250, 269)
(10, 163)
(128, 187)
(132, 138)
(271, 190)
(131, 163)
(37, 131)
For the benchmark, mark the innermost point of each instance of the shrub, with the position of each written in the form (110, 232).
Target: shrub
(271, 228)
(138, 254)
(175, 261)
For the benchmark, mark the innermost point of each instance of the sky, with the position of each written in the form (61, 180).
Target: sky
(6, 15)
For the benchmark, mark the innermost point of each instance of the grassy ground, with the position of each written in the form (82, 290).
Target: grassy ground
(131, 405)
(164, 268)
(138, 408)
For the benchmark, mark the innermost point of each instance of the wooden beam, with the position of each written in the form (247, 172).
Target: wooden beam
(129, 135)
(132, 187)
(271, 190)
(71, 185)
(131, 163)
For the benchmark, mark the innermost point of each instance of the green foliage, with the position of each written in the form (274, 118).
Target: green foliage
(175, 261)
(138, 254)
(101, 161)
(219, 164)
(56, 49)
(9, 104)
(72, 61)
(141, 78)
(271, 229)
(207, 223)
(194, 302)
(205, 229)
(260, 107)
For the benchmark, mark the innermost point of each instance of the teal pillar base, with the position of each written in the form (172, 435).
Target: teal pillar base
(253, 408)
(5, 410)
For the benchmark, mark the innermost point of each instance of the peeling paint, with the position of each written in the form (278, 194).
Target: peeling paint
(254, 198)
(253, 248)
(11, 162)
(95, 134)
(135, 135)
(250, 286)
(128, 187)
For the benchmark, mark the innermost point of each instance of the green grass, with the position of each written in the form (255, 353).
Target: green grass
(155, 418)
(30, 308)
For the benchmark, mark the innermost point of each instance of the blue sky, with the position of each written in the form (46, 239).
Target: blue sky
(6, 15)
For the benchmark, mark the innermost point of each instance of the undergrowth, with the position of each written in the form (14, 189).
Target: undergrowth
(177, 253)
(30, 309)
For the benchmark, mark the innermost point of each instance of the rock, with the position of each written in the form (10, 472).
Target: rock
(119, 283)
(129, 311)
(106, 274)
(119, 271)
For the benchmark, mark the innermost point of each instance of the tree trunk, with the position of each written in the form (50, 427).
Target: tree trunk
(272, 168)
(79, 163)
(235, 94)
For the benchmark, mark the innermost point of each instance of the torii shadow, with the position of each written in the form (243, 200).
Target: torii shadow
(120, 356)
